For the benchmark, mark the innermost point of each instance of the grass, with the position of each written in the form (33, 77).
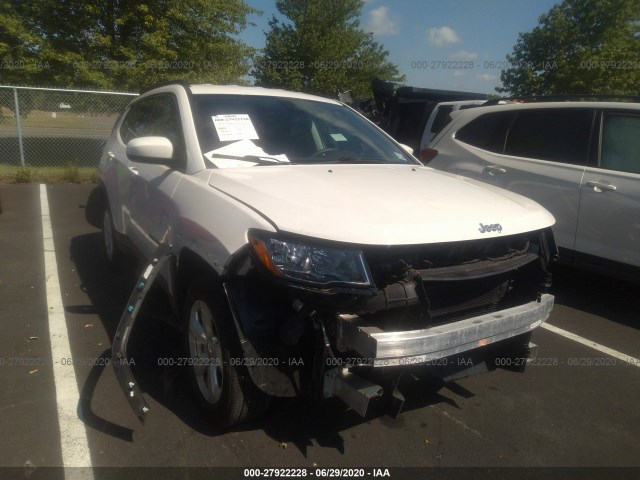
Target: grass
(51, 151)
(70, 173)
(40, 119)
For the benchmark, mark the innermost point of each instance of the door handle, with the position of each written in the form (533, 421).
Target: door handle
(494, 170)
(134, 170)
(600, 186)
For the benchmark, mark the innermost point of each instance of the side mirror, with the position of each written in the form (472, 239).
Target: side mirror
(150, 150)
(407, 148)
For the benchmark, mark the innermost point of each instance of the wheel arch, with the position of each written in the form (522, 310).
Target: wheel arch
(114, 206)
(191, 266)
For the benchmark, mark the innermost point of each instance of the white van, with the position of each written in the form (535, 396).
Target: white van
(439, 118)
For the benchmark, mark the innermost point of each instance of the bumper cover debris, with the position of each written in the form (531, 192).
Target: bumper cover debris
(119, 358)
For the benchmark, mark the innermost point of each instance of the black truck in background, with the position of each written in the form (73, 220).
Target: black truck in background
(403, 112)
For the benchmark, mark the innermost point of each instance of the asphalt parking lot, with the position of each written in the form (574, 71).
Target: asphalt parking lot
(575, 407)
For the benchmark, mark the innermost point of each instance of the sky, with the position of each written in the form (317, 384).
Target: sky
(443, 44)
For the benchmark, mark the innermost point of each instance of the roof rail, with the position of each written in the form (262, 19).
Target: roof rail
(567, 98)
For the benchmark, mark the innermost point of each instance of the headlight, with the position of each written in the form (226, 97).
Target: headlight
(312, 263)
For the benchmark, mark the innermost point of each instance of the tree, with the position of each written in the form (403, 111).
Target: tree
(126, 44)
(580, 46)
(18, 45)
(322, 49)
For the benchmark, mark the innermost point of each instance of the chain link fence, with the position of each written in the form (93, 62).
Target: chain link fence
(47, 130)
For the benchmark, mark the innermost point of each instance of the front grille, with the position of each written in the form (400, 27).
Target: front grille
(446, 300)
(463, 279)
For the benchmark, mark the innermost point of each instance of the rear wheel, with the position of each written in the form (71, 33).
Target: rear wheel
(221, 387)
(112, 251)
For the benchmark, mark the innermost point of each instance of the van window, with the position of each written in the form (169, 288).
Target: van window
(621, 143)
(442, 118)
(487, 131)
(560, 135)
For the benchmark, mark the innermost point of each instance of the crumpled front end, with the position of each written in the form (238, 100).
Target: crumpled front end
(440, 310)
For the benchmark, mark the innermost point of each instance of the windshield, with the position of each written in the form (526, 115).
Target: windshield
(246, 130)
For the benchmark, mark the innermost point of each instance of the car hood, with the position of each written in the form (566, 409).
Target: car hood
(379, 204)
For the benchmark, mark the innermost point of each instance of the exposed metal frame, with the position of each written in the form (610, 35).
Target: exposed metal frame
(384, 349)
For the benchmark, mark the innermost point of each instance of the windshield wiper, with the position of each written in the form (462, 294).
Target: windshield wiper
(260, 159)
(357, 160)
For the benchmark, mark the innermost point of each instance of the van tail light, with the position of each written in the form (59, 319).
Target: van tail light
(427, 154)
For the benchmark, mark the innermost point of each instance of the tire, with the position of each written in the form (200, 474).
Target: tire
(222, 389)
(112, 252)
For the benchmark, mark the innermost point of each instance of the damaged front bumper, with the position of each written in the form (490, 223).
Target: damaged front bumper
(356, 344)
(426, 347)
(384, 349)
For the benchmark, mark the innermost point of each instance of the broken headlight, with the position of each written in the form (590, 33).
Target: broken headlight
(312, 263)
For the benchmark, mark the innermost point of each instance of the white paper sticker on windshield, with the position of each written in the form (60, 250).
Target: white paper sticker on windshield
(338, 137)
(234, 127)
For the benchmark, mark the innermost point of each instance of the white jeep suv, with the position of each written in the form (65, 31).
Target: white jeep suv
(309, 253)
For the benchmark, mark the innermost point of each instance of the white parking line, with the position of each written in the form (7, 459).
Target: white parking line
(73, 435)
(601, 348)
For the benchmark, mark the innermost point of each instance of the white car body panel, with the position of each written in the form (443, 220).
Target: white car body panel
(609, 221)
(201, 210)
(150, 204)
(379, 204)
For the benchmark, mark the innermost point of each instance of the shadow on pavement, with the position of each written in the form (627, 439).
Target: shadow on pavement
(606, 297)
(303, 422)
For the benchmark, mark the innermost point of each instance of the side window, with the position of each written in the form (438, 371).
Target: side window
(487, 131)
(620, 149)
(155, 116)
(137, 120)
(560, 135)
(442, 118)
(166, 123)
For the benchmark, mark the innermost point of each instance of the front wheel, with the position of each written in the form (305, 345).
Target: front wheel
(220, 385)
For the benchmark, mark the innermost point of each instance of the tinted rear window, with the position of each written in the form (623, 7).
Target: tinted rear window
(621, 143)
(442, 118)
(560, 135)
(487, 131)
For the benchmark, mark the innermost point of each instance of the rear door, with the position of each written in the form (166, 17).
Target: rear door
(544, 158)
(609, 218)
